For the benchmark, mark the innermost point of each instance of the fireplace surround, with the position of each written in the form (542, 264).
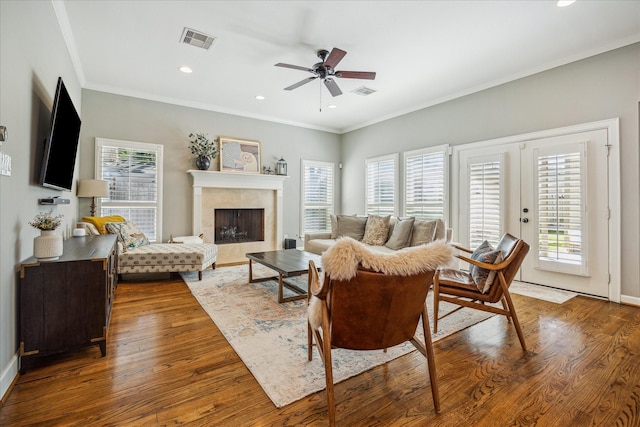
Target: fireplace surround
(236, 190)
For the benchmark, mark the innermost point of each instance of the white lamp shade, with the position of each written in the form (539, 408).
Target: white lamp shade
(93, 188)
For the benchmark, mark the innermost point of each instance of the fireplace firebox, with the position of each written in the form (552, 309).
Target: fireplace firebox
(239, 225)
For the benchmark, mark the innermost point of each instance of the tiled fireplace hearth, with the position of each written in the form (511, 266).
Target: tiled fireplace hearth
(238, 191)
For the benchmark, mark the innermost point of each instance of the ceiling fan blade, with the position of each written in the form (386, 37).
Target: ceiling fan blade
(333, 87)
(295, 67)
(367, 75)
(334, 57)
(300, 83)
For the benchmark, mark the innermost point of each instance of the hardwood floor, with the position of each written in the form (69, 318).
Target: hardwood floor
(167, 363)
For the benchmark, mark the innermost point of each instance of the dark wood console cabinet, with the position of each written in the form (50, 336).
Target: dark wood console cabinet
(66, 304)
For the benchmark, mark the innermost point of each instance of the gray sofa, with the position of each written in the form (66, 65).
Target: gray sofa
(380, 233)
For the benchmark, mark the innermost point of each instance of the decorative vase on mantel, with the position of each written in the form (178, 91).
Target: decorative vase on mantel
(203, 162)
(47, 246)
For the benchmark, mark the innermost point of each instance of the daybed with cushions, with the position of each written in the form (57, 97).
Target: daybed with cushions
(137, 255)
(380, 233)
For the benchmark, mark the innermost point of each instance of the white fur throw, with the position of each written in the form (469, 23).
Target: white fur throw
(341, 260)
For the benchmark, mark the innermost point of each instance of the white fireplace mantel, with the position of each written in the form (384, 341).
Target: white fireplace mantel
(236, 180)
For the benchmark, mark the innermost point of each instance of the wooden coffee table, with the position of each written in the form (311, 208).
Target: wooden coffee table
(288, 263)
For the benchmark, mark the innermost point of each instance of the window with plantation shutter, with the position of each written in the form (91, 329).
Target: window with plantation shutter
(382, 185)
(134, 173)
(426, 183)
(317, 197)
(560, 206)
(485, 199)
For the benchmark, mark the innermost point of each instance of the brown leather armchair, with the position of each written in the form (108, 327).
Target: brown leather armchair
(367, 312)
(458, 287)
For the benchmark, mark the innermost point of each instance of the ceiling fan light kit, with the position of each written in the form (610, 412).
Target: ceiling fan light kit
(325, 71)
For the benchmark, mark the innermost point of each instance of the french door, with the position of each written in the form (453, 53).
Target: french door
(552, 192)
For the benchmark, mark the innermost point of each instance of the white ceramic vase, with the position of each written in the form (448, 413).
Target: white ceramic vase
(47, 246)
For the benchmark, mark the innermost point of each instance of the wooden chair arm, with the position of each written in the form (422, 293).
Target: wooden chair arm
(482, 264)
(500, 266)
(462, 248)
(316, 287)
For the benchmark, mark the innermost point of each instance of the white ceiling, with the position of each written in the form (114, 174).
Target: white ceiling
(424, 52)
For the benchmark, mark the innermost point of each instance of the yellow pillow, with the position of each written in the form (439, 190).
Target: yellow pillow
(101, 221)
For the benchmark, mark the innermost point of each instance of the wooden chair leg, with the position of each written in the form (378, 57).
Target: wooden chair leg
(436, 302)
(512, 311)
(309, 342)
(431, 360)
(328, 368)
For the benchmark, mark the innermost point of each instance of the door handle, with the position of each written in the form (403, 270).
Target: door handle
(525, 220)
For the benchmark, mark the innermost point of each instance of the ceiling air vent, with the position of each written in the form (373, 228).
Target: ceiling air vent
(197, 39)
(363, 91)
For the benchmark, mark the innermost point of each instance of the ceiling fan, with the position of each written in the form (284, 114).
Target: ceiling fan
(325, 71)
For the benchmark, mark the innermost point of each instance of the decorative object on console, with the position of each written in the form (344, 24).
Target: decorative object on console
(266, 170)
(204, 149)
(48, 245)
(239, 155)
(281, 167)
(93, 188)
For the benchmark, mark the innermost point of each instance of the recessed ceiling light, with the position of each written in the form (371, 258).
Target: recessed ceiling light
(186, 69)
(565, 3)
(332, 106)
(259, 97)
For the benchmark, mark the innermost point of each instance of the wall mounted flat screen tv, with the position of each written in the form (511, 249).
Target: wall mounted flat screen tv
(61, 145)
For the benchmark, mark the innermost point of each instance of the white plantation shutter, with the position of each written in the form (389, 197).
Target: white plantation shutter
(560, 207)
(134, 172)
(425, 183)
(485, 200)
(317, 197)
(382, 185)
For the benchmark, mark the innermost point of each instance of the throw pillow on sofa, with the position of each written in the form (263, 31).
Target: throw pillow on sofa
(377, 230)
(101, 221)
(128, 234)
(423, 232)
(401, 236)
(351, 226)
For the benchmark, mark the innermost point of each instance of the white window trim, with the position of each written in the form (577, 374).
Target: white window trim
(444, 148)
(304, 163)
(144, 146)
(396, 194)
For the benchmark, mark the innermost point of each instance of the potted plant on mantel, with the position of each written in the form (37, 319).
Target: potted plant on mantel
(204, 149)
(48, 245)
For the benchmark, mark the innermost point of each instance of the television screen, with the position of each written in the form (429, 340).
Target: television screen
(61, 145)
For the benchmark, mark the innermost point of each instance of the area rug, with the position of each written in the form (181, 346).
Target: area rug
(544, 293)
(271, 338)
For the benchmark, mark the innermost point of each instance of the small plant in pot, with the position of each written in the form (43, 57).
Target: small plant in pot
(48, 245)
(204, 149)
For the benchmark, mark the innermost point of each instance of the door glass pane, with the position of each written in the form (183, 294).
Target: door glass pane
(560, 208)
(485, 203)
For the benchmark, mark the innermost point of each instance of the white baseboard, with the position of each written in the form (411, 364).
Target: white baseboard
(625, 299)
(8, 376)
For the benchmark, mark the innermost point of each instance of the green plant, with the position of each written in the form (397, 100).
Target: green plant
(46, 221)
(201, 145)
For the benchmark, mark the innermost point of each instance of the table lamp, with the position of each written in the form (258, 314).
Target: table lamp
(93, 188)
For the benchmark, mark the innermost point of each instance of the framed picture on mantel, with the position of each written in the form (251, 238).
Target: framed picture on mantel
(239, 155)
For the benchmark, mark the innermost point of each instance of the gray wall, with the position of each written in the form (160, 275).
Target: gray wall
(33, 55)
(132, 119)
(601, 87)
